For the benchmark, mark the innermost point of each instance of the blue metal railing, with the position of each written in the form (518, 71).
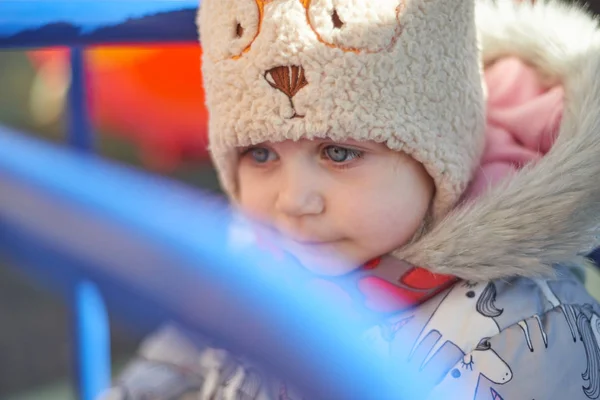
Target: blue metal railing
(90, 326)
(157, 251)
(77, 24)
(79, 135)
(31, 23)
(154, 250)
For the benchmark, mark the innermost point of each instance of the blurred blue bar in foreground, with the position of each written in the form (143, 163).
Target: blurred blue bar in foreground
(29, 23)
(158, 250)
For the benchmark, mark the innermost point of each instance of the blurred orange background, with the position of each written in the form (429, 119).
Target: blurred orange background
(151, 96)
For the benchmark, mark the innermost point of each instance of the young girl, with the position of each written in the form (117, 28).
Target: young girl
(460, 200)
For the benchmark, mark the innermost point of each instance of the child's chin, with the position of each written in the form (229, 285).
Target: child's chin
(326, 264)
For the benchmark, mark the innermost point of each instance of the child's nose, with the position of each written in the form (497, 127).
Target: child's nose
(299, 197)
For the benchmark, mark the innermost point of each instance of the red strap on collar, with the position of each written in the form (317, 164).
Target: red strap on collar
(414, 286)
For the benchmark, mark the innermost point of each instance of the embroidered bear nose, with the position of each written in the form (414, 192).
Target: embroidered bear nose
(288, 79)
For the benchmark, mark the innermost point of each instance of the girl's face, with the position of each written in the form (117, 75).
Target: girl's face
(359, 200)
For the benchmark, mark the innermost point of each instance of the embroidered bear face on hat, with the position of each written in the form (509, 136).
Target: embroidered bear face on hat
(401, 72)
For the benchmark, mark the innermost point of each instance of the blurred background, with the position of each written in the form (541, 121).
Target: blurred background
(146, 116)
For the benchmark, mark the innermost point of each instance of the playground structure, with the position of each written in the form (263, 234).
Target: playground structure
(148, 249)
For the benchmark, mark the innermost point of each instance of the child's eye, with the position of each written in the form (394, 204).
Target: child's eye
(340, 154)
(260, 155)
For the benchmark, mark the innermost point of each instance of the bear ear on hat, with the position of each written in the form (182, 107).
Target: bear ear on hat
(363, 25)
(357, 26)
(229, 26)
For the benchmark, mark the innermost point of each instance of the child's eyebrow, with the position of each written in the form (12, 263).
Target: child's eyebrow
(243, 149)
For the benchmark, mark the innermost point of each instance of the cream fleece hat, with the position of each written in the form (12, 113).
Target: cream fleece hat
(405, 73)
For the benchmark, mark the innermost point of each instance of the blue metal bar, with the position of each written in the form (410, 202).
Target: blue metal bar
(38, 23)
(92, 341)
(79, 133)
(158, 250)
(90, 328)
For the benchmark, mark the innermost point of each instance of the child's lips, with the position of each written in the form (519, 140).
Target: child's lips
(312, 242)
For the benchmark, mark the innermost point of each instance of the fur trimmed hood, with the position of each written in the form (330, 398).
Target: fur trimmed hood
(548, 212)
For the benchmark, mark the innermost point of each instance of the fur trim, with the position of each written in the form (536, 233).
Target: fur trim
(548, 212)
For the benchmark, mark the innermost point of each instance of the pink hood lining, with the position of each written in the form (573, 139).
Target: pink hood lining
(523, 119)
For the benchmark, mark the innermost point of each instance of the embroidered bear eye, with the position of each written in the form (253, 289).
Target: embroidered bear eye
(229, 27)
(337, 22)
(341, 23)
(239, 31)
